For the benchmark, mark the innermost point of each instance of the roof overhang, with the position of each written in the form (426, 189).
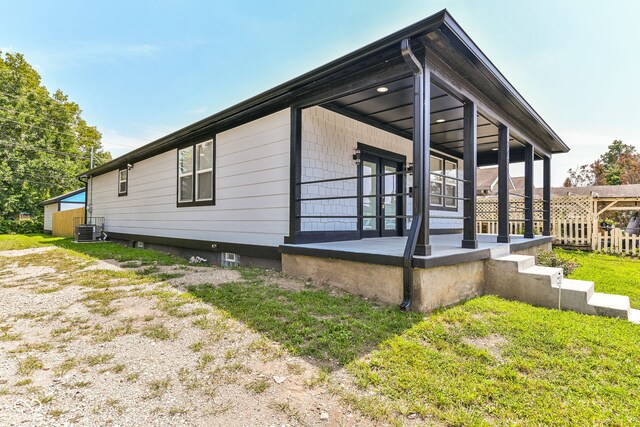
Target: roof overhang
(459, 67)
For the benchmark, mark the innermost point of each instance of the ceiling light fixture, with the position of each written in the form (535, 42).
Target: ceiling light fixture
(382, 89)
(494, 149)
(440, 121)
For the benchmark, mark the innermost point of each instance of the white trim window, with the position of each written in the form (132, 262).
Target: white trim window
(123, 181)
(204, 171)
(196, 174)
(185, 175)
(451, 185)
(435, 167)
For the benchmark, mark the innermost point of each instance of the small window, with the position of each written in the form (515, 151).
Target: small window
(436, 181)
(196, 174)
(123, 182)
(444, 186)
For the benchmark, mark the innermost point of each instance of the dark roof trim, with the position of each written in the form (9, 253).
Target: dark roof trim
(284, 95)
(62, 196)
(496, 76)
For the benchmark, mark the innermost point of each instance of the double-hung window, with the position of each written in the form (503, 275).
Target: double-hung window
(444, 186)
(123, 181)
(196, 174)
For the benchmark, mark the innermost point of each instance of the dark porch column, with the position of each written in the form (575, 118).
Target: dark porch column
(295, 174)
(546, 196)
(503, 185)
(421, 149)
(470, 155)
(528, 191)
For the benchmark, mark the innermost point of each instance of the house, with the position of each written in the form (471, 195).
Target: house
(71, 200)
(360, 173)
(487, 182)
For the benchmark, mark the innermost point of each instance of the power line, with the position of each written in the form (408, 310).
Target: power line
(63, 123)
(34, 116)
(49, 98)
(39, 127)
(61, 153)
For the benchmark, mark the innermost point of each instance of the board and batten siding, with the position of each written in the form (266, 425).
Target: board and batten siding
(251, 191)
(329, 140)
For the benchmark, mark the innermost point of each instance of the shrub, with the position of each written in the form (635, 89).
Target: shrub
(21, 226)
(551, 259)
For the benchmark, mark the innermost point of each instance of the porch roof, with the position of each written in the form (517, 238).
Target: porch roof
(442, 40)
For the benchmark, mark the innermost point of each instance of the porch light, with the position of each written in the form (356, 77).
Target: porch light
(440, 121)
(356, 156)
(383, 89)
(494, 149)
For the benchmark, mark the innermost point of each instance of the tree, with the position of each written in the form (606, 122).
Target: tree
(44, 142)
(620, 164)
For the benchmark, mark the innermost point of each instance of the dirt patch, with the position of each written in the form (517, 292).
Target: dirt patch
(492, 343)
(148, 354)
(30, 251)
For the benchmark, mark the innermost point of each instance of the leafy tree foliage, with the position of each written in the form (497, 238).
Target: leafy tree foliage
(620, 164)
(44, 142)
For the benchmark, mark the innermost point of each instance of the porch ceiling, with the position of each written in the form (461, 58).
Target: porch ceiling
(393, 111)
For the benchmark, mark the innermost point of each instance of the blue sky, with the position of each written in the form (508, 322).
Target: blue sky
(141, 69)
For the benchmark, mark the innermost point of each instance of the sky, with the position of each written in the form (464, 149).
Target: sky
(142, 69)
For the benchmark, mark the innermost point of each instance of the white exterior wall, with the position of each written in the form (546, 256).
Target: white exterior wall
(68, 206)
(252, 191)
(328, 143)
(48, 215)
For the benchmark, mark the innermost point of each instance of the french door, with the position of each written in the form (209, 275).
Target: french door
(380, 203)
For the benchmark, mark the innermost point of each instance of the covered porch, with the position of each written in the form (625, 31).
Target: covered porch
(381, 198)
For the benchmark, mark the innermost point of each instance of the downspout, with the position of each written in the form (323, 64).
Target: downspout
(412, 238)
(86, 185)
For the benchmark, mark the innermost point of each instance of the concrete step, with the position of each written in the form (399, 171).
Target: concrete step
(610, 305)
(634, 316)
(522, 262)
(581, 286)
(551, 275)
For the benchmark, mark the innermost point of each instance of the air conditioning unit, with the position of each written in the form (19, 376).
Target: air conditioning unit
(87, 232)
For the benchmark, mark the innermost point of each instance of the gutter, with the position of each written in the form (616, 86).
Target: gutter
(412, 238)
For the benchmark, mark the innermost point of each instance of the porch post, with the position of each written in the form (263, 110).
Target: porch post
(470, 156)
(421, 149)
(503, 184)
(528, 191)
(295, 174)
(546, 196)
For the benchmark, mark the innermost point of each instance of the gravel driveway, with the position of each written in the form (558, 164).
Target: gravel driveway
(86, 342)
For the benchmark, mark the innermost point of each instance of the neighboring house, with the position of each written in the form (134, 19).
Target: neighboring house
(72, 200)
(360, 174)
(629, 191)
(487, 182)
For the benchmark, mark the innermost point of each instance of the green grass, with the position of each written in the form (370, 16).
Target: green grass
(102, 250)
(611, 274)
(10, 242)
(544, 368)
(331, 329)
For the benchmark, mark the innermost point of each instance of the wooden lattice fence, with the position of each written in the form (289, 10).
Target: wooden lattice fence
(571, 218)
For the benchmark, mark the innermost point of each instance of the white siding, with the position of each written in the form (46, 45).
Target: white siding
(68, 206)
(252, 191)
(328, 143)
(48, 215)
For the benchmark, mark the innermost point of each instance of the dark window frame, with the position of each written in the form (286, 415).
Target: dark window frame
(443, 207)
(126, 181)
(193, 145)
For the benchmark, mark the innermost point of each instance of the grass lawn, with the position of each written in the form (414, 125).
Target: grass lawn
(101, 250)
(485, 362)
(611, 274)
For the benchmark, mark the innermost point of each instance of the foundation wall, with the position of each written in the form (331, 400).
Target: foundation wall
(443, 286)
(380, 282)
